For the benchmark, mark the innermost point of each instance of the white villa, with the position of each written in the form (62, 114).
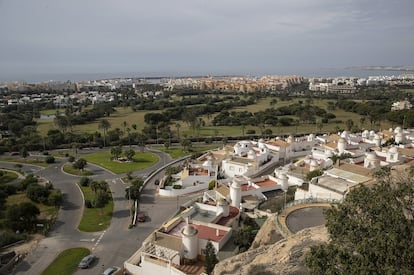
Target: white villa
(178, 247)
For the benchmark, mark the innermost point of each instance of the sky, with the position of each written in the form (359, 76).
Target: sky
(58, 38)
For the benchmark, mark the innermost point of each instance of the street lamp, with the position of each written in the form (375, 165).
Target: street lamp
(285, 198)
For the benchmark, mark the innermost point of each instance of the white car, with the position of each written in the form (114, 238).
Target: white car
(87, 261)
(112, 270)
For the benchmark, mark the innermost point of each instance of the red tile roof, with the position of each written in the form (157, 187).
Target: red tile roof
(233, 212)
(209, 233)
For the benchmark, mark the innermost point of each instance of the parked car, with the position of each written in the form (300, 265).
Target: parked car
(113, 270)
(87, 261)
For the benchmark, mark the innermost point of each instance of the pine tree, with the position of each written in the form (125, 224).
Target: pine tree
(211, 258)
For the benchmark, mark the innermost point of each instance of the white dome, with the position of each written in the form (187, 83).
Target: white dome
(372, 133)
(189, 230)
(345, 134)
(398, 130)
(376, 137)
(261, 140)
(365, 132)
(341, 140)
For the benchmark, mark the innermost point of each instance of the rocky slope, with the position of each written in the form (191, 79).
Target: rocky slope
(286, 256)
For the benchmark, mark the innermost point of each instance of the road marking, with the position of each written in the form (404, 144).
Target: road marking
(87, 240)
(99, 240)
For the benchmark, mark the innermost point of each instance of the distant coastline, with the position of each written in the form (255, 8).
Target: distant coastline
(354, 71)
(383, 68)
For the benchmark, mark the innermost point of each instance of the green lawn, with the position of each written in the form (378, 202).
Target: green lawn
(177, 152)
(37, 162)
(95, 219)
(68, 168)
(141, 161)
(67, 261)
(7, 176)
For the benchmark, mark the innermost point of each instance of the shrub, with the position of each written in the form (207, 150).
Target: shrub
(7, 237)
(71, 158)
(176, 186)
(55, 198)
(211, 185)
(37, 193)
(9, 189)
(26, 182)
(88, 203)
(50, 159)
(251, 132)
(84, 181)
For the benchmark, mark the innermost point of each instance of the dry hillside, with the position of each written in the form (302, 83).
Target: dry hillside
(286, 256)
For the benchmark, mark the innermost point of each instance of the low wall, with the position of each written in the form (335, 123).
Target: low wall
(171, 192)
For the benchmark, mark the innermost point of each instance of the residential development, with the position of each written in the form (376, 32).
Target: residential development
(344, 161)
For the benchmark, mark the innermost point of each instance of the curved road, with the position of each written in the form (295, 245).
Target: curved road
(113, 245)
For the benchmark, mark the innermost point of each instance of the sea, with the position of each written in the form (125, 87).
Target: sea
(157, 77)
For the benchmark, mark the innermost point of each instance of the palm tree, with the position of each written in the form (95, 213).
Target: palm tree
(125, 124)
(104, 125)
(178, 125)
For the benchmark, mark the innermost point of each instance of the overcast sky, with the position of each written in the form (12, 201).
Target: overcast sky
(201, 36)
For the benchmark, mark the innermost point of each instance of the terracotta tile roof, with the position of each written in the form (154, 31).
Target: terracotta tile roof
(209, 233)
(266, 183)
(246, 187)
(233, 212)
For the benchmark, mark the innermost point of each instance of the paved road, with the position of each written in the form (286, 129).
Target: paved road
(112, 246)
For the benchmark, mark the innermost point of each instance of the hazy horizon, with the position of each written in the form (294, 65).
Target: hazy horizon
(42, 38)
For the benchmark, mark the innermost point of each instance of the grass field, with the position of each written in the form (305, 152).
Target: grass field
(68, 168)
(95, 219)
(126, 114)
(66, 263)
(7, 176)
(141, 161)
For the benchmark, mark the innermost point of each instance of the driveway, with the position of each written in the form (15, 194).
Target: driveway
(113, 245)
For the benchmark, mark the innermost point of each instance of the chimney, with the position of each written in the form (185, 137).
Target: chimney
(217, 232)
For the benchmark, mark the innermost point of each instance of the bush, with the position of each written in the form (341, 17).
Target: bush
(88, 203)
(71, 158)
(50, 159)
(9, 189)
(251, 132)
(176, 186)
(211, 185)
(37, 193)
(45, 153)
(55, 198)
(7, 237)
(26, 182)
(84, 181)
